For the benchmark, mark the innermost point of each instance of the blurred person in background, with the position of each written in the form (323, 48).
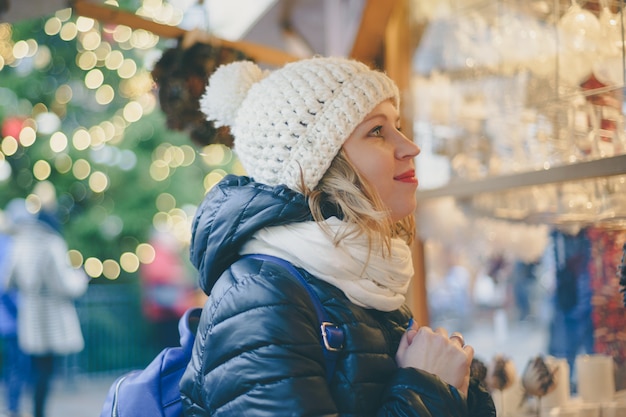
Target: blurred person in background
(15, 362)
(48, 327)
(167, 290)
(571, 329)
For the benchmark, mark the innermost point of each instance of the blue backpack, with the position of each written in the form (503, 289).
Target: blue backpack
(154, 391)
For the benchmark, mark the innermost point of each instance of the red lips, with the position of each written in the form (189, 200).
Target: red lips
(408, 176)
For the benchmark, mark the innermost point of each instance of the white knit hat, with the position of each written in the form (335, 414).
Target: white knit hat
(293, 121)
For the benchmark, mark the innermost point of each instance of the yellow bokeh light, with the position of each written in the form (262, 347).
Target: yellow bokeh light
(6, 31)
(146, 253)
(142, 39)
(91, 41)
(81, 169)
(162, 222)
(1, 62)
(214, 154)
(33, 47)
(175, 156)
(98, 182)
(122, 33)
(98, 137)
(237, 168)
(39, 108)
(68, 31)
(94, 79)
(165, 202)
(64, 94)
(108, 129)
(9, 146)
(102, 51)
(63, 163)
(132, 111)
(81, 139)
(111, 269)
(33, 203)
(58, 142)
(53, 26)
(84, 24)
(86, 60)
(43, 57)
(27, 136)
(75, 257)
(93, 267)
(105, 94)
(213, 178)
(190, 155)
(127, 69)
(129, 262)
(20, 49)
(137, 86)
(41, 170)
(114, 60)
(64, 14)
(159, 170)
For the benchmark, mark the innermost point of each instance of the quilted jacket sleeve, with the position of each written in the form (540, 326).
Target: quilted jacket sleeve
(417, 393)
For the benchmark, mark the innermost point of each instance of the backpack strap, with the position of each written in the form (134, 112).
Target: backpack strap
(332, 335)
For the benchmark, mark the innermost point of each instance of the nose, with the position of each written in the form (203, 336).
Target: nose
(406, 148)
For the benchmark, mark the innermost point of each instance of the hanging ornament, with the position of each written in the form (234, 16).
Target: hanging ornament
(579, 37)
(181, 76)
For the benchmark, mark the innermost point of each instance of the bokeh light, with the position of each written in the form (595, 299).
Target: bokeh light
(68, 31)
(98, 182)
(129, 262)
(111, 269)
(81, 139)
(105, 94)
(86, 60)
(41, 170)
(9, 145)
(53, 26)
(132, 111)
(213, 178)
(28, 136)
(63, 163)
(93, 267)
(58, 142)
(145, 253)
(94, 79)
(81, 169)
(75, 257)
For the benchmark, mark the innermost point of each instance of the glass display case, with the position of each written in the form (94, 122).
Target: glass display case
(518, 107)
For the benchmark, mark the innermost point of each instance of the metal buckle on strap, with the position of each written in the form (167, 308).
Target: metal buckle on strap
(332, 336)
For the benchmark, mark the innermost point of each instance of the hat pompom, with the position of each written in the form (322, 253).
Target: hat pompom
(227, 89)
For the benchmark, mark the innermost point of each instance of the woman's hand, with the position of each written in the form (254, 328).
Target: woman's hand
(436, 353)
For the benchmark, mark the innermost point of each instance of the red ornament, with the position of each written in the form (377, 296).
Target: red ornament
(12, 126)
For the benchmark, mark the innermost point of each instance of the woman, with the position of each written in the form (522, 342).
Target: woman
(332, 190)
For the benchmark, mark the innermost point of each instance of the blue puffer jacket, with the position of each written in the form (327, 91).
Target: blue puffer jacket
(257, 350)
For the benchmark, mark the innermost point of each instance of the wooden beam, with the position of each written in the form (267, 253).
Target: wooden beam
(399, 46)
(369, 40)
(113, 15)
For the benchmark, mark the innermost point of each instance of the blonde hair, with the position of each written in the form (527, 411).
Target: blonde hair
(358, 204)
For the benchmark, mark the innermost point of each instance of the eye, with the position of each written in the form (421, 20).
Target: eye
(377, 131)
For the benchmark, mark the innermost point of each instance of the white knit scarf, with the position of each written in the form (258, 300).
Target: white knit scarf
(366, 278)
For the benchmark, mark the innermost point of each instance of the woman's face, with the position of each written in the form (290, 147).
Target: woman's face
(384, 157)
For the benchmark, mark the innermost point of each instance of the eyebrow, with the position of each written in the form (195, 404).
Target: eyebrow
(382, 115)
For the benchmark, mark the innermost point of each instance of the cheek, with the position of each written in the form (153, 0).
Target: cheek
(375, 165)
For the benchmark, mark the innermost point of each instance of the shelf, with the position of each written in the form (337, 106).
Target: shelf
(604, 167)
